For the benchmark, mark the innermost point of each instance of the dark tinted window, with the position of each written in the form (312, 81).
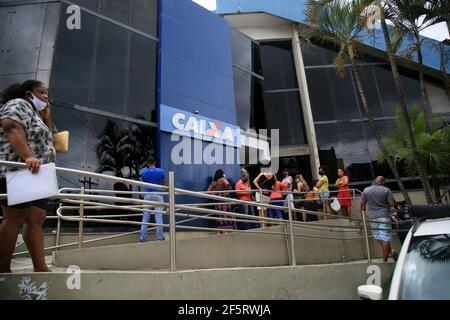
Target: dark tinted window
(241, 47)
(320, 95)
(283, 112)
(316, 55)
(278, 66)
(106, 68)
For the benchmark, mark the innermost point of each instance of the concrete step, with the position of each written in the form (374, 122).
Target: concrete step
(326, 281)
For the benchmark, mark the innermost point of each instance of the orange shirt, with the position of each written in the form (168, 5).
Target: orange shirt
(279, 187)
(244, 186)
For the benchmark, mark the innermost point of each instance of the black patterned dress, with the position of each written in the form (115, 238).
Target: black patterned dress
(224, 224)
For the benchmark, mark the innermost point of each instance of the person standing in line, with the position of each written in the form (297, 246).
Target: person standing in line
(25, 136)
(322, 185)
(243, 192)
(302, 190)
(153, 175)
(287, 179)
(264, 181)
(402, 217)
(220, 183)
(380, 201)
(276, 199)
(344, 195)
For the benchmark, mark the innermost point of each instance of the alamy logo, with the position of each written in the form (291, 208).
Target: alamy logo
(255, 147)
(74, 280)
(74, 20)
(374, 273)
(372, 14)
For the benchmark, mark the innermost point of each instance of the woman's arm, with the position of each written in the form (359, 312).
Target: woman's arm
(17, 138)
(212, 186)
(344, 181)
(255, 182)
(319, 184)
(47, 117)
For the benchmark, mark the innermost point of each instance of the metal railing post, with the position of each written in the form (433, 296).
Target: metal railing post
(80, 225)
(262, 208)
(290, 199)
(58, 231)
(353, 214)
(366, 236)
(172, 222)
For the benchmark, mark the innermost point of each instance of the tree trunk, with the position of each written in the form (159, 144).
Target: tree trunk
(445, 77)
(404, 108)
(374, 127)
(423, 88)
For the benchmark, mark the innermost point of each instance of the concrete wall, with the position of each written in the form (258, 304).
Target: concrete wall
(336, 281)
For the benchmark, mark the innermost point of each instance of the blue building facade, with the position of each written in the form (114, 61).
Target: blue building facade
(195, 76)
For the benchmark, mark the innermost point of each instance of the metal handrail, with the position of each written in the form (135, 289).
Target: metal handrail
(90, 202)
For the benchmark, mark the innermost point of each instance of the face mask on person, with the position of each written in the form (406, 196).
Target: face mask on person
(38, 103)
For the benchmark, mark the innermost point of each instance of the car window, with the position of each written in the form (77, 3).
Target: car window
(426, 272)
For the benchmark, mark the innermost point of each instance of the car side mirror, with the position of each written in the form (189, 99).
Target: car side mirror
(370, 292)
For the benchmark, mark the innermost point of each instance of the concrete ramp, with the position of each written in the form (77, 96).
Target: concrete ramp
(316, 244)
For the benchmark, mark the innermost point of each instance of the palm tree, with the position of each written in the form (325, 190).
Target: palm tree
(340, 22)
(410, 18)
(129, 148)
(107, 149)
(433, 147)
(401, 95)
(441, 10)
(140, 139)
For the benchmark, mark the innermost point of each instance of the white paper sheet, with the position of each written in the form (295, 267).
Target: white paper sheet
(22, 186)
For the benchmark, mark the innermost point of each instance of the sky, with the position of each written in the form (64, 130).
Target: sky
(438, 32)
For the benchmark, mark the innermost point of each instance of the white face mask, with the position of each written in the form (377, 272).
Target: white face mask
(38, 104)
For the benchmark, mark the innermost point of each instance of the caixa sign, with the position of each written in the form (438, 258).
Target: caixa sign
(196, 126)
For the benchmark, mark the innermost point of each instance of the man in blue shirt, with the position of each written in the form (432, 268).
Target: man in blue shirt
(153, 175)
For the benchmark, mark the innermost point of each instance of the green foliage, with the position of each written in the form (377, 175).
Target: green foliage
(339, 22)
(433, 148)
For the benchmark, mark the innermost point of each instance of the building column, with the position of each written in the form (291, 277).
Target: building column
(306, 103)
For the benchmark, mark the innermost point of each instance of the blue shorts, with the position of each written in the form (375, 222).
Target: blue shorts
(325, 196)
(386, 225)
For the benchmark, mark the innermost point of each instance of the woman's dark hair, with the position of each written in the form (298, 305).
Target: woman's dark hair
(343, 170)
(18, 91)
(324, 169)
(219, 174)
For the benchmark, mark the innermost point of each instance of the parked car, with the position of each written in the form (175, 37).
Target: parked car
(423, 267)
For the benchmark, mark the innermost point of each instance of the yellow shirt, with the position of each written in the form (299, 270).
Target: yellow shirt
(324, 187)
